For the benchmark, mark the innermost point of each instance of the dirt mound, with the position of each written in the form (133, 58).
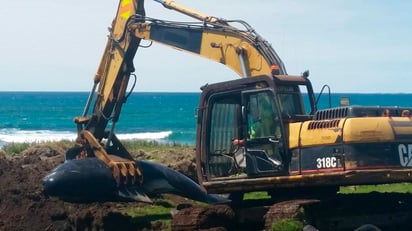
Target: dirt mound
(24, 207)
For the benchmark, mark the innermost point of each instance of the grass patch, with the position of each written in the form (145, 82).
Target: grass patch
(136, 145)
(12, 149)
(256, 195)
(383, 188)
(287, 224)
(160, 212)
(131, 145)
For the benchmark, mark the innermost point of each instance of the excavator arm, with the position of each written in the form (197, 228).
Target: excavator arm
(114, 71)
(111, 81)
(242, 50)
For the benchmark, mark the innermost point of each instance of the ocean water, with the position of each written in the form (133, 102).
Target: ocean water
(165, 117)
(48, 116)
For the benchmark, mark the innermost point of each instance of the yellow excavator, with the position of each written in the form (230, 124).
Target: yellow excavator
(262, 132)
(245, 52)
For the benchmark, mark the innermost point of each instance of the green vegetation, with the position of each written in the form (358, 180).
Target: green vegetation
(256, 196)
(160, 211)
(161, 152)
(132, 146)
(11, 149)
(382, 188)
(14, 148)
(399, 187)
(287, 224)
(135, 145)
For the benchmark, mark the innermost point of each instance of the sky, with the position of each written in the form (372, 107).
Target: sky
(354, 46)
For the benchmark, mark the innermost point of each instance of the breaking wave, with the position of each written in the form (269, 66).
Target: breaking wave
(38, 136)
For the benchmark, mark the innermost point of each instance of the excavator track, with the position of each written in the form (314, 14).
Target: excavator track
(286, 209)
(341, 212)
(198, 217)
(388, 211)
(346, 212)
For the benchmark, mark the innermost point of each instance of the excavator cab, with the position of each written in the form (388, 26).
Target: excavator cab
(242, 127)
(264, 146)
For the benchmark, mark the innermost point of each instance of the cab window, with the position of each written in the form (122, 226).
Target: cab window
(262, 118)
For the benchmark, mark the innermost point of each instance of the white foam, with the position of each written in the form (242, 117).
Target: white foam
(145, 135)
(38, 136)
(26, 136)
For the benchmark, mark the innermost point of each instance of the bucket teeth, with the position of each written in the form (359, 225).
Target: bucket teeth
(126, 172)
(124, 168)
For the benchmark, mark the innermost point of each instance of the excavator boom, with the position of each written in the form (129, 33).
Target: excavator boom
(242, 50)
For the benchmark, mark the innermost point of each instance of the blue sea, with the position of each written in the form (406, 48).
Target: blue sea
(164, 117)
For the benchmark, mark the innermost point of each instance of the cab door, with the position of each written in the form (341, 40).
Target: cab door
(265, 137)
